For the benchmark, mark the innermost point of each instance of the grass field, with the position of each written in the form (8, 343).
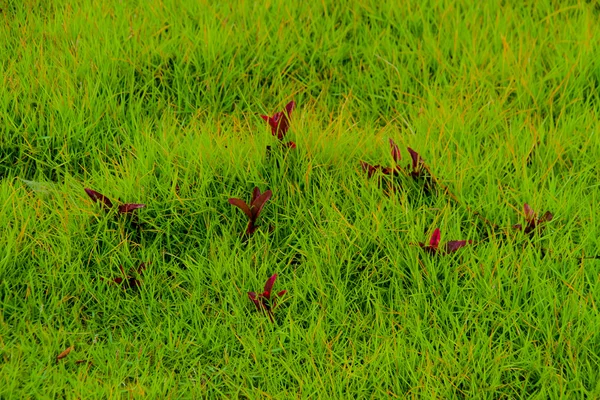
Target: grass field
(160, 102)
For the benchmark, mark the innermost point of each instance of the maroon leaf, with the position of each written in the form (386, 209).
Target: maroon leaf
(259, 202)
(129, 207)
(269, 286)
(280, 121)
(263, 301)
(98, 197)
(369, 169)
(532, 221)
(435, 239)
(253, 210)
(241, 204)
(530, 215)
(547, 217)
(454, 245)
(252, 296)
(416, 162)
(396, 155)
(434, 244)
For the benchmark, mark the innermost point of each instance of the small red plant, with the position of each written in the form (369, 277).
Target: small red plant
(265, 301)
(417, 166)
(253, 210)
(127, 281)
(434, 244)
(108, 205)
(532, 220)
(371, 169)
(280, 123)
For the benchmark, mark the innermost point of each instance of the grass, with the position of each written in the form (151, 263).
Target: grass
(159, 104)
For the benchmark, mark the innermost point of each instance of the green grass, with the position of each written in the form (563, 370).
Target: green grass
(159, 103)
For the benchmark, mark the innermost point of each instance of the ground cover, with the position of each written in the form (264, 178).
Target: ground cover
(370, 270)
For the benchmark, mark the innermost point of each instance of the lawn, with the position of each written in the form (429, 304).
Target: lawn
(160, 104)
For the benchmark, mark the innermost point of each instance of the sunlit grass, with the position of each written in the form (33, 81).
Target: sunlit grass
(160, 104)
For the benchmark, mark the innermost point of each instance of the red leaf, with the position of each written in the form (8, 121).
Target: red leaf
(255, 194)
(396, 155)
(454, 245)
(252, 296)
(129, 207)
(259, 203)
(269, 286)
(106, 203)
(529, 213)
(435, 239)
(547, 217)
(280, 121)
(241, 204)
(416, 158)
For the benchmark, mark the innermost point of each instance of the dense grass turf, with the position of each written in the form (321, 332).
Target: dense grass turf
(159, 103)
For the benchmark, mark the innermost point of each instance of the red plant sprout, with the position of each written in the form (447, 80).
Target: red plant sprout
(127, 281)
(396, 155)
(372, 169)
(253, 210)
(532, 220)
(434, 244)
(108, 205)
(263, 301)
(98, 197)
(280, 123)
(416, 168)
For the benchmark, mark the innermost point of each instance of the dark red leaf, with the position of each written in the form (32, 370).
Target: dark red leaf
(269, 286)
(396, 155)
(280, 121)
(258, 204)
(529, 213)
(416, 158)
(255, 194)
(454, 245)
(241, 204)
(369, 169)
(98, 197)
(547, 217)
(129, 207)
(281, 293)
(252, 296)
(435, 239)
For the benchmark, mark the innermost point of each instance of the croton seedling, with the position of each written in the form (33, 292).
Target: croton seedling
(265, 301)
(108, 205)
(532, 221)
(253, 210)
(127, 281)
(280, 123)
(434, 244)
(372, 169)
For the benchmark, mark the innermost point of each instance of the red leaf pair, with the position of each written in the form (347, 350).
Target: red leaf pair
(416, 168)
(532, 220)
(127, 281)
(434, 244)
(371, 169)
(253, 210)
(263, 301)
(108, 205)
(280, 123)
